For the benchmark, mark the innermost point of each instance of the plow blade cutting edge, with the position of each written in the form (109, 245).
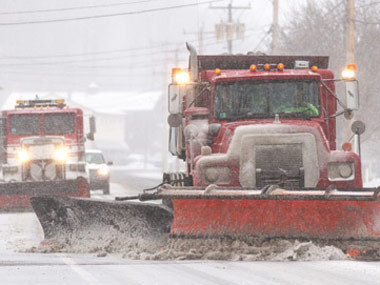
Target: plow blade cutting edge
(315, 214)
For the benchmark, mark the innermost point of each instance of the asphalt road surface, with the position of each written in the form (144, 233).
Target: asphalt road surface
(21, 231)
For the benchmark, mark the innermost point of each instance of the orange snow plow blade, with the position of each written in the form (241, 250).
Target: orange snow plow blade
(347, 218)
(310, 213)
(237, 212)
(16, 195)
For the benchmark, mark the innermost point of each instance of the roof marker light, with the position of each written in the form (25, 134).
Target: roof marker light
(280, 66)
(253, 67)
(314, 68)
(218, 71)
(349, 73)
(267, 66)
(347, 146)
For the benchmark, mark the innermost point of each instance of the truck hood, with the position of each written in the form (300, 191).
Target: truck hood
(228, 130)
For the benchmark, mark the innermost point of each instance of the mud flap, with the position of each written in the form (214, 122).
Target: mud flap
(67, 216)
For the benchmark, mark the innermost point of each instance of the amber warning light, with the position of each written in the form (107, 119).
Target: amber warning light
(349, 73)
(180, 76)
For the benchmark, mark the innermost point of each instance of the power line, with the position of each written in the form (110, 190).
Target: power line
(128, 56)
(75, 8)
(142, 48)
(5, 57)
(369, 4)
(106, 15)
(67, 64)
(365, 22)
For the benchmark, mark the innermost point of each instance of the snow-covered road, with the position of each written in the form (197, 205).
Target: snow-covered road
(21, 231)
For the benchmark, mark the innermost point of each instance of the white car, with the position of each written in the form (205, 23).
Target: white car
(98, 171)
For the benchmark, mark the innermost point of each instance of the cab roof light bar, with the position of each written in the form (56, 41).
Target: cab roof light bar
(21, 104)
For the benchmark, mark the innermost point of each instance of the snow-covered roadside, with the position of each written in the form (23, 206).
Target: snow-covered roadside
(19, 231)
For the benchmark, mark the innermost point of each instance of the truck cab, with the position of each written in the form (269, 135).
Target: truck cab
(42, 140)
(252, 121)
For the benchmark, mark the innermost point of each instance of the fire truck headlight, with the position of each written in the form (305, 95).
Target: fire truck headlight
(23, 156)
(103, 170)
(61, 154)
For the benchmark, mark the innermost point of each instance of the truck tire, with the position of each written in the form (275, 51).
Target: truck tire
(106, 190)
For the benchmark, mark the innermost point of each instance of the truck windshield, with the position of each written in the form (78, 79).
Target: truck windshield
(24, 124)
(264, 99)
(58, 124)
(96, 158)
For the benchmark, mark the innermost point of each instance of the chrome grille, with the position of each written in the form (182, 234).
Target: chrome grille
(279, 164)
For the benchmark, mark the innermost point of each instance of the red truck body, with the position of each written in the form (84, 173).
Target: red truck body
(42, 152)
(234, 163)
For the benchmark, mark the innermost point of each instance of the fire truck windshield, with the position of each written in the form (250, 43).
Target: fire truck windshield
(24, 124)
(58, 124)
(263, 99)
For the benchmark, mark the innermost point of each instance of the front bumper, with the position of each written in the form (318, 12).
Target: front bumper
(17, 194)
(97, 181)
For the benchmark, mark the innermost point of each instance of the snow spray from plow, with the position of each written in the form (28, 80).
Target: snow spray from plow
(345, 217)
(64, 216)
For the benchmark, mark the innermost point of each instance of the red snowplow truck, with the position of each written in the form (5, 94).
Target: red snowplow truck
(258, 135)
(41, 152)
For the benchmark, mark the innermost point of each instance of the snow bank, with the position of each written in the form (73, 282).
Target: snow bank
(167, 248)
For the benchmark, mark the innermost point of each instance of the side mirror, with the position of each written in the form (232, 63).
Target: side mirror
(352, 94)
(92, 123)
(358, 128)
(175, 120)
(90, 136)
(109, 163)
(175, 97)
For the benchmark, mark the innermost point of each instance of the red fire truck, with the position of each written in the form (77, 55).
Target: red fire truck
(42, 152)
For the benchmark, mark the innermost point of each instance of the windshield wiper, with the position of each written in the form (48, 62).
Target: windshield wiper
(302, 115)
(253, 116)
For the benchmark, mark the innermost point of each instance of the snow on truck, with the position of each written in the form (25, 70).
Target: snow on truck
(41, 152)
(258, 135)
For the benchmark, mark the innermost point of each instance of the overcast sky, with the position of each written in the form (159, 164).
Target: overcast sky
(134, 52)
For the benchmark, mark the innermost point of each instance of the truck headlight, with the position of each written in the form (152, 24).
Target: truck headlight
(341, 171)
(23, 156)
(61, 154)
(218, 174)
(103, 170)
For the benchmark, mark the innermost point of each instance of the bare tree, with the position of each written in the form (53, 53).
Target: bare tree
(318, 28)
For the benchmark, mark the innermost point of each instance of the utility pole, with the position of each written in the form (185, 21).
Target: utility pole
(275, 28)
(350, 31)
(230, 27)
(200, 35)
(164, 112)
(350, 55)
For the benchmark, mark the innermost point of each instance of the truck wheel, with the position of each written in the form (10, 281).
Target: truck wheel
(106, 190)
